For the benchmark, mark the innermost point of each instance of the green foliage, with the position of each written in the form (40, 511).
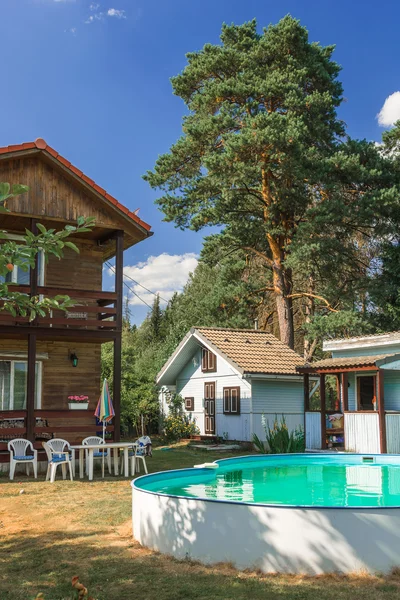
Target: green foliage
(179, 426)
(278, 438)
(264, 155)
(23, 254)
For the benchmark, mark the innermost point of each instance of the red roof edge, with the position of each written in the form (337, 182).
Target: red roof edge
(42, 145)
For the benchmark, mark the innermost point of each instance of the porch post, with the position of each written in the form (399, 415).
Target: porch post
(345, 393)
(30, 388)
(323, 411)
(306, 392)
(119, 282)
(381, 410)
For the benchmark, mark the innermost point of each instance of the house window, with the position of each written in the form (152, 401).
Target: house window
(13, 384)
(189, 404)
(231, 397)
(21, 277)
(208, 361)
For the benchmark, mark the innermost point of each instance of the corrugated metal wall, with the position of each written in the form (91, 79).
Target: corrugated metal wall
(313, 430)
(361, 432)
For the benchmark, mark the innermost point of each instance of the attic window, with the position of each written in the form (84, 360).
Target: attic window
(208, 361)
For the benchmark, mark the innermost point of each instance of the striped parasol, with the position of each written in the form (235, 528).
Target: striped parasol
(104, 412)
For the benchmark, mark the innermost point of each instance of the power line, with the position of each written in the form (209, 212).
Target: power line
(129, 288)
(137, 283)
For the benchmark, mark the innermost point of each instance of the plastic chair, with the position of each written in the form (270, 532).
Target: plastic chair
(139, 452)
(90, 441)
(59, 445)
(18, 450)
(62, 458)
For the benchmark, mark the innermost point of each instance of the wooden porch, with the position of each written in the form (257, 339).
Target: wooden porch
(375, 431)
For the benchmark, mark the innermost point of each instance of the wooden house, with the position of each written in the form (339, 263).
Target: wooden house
(360, 387)
(230, 378)
(38, 369)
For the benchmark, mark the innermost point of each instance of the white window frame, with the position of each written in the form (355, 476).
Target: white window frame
(39, 381)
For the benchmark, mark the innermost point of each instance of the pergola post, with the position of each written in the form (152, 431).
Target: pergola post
(381, 410)
(345, 392)
(306, 392)
(323, 410)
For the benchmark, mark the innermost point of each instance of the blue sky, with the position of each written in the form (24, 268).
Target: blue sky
(92, 78)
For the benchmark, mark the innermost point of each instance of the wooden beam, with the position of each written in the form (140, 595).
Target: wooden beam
(345, 392)
(30, 387)
(306, 392)
(59, 334)
(381, 410)
(117, 387)
(322, 394)
(119, 275)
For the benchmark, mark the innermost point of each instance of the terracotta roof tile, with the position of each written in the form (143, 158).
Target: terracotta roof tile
(346, 362)
(42, 145)
(254, 351)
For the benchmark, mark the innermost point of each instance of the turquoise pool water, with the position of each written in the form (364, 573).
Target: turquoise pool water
(295, 480)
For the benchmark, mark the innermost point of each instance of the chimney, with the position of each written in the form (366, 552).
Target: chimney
(256, 324)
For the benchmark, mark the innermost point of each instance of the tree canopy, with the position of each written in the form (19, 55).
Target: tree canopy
(264, 155)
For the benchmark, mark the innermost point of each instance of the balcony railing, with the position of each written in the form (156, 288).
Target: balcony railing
(92, 310)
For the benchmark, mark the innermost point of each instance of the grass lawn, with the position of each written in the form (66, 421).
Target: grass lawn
(52, 532)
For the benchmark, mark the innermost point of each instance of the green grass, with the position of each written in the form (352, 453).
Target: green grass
(50, 533)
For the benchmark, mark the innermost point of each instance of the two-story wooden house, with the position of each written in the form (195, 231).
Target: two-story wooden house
(45, 361)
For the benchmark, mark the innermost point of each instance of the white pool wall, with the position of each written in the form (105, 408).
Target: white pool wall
(286, 539)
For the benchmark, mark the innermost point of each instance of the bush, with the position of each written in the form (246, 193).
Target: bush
(178, 426)
(278, 438)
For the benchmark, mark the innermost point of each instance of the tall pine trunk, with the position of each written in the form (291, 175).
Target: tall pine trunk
(284, 304)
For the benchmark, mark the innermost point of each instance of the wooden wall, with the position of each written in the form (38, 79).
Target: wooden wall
(53, 195)
(60, 379)
(81, 271)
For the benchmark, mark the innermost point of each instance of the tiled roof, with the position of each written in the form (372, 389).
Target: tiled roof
(253, 351)
(41, 145)
(348, 362)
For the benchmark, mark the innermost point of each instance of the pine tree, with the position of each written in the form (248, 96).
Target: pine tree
(264, 155)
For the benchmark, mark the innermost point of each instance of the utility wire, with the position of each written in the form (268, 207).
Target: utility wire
(137, 283)
(129, 288)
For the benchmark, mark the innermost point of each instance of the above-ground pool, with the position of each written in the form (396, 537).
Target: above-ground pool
(309, 513)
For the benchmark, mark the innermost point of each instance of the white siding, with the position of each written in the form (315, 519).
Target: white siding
(367, 351)
(190, 384)
(272, 398)
(313, 430)
(393, 434)
(391, 381)
(361, 431)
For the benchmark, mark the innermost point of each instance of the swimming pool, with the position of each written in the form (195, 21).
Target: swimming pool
(310, 513)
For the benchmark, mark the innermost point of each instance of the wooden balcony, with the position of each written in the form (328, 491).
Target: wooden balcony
(93, 310)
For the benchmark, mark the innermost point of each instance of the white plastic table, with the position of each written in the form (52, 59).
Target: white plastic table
(125, 446)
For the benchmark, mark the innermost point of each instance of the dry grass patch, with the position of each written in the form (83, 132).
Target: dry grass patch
(51, 533)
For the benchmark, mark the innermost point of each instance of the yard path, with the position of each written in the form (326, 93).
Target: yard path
(50, 533)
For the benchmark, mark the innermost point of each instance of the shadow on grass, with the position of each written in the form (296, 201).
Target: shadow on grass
(115, 567)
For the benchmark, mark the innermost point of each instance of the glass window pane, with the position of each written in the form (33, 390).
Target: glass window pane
(5, 380)
(20, 373)
(23, 276)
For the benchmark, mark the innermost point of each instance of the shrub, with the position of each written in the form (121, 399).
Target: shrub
(278, 438)
(178, 426)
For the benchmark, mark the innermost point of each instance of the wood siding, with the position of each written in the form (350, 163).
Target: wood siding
(52, 195)
(81, 271)
(60, 379)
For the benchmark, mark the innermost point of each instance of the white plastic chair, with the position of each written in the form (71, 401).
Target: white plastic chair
(62, 458)
(138, 452)
(59, 445)
(19, 454)
(95, 440)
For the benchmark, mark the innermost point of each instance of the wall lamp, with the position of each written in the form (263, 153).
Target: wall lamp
(74, 359)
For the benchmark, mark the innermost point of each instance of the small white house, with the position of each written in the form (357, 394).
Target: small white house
(229, 378)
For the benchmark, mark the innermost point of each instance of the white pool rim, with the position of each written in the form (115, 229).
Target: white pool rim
(269, 537)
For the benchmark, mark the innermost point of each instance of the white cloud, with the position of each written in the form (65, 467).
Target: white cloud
(71, 30)
(114, 12)
(390, 111)
(164, 274)
(94, 6)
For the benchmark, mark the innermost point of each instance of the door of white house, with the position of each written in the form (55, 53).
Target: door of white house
(209, 407)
